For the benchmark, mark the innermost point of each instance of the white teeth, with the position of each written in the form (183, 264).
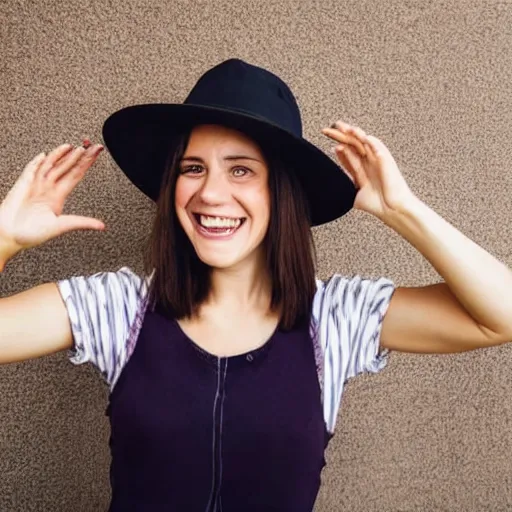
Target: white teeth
(219, 222)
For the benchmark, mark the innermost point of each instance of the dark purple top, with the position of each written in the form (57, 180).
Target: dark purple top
(191, 431)
(195, 432)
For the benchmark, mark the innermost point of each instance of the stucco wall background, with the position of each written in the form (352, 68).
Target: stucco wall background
(430, 78)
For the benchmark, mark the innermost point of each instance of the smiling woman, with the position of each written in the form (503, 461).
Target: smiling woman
(221, 189)
(227, 359)
(272, 243)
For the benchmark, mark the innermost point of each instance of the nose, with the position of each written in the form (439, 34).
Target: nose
(215, 188)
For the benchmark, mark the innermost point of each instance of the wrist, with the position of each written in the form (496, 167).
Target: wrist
(8, 249)
(407, 212)
(414, 221)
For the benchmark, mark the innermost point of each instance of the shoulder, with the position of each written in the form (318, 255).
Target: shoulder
(344, 308)
(346, 324)
(350, 291)
(123, 285)
(103, 310)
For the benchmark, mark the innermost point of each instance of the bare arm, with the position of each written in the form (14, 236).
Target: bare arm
(473, 307)
(470, 310)
(35, 322)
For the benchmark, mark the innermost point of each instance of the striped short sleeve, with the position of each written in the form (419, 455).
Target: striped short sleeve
(104, 312)
(348, 314)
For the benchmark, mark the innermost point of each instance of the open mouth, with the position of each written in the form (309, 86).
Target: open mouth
(217, 226)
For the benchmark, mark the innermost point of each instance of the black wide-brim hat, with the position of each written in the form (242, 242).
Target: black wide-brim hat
(241, 96)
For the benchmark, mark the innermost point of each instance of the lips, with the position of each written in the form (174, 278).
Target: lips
(217, 232)
(210, 221)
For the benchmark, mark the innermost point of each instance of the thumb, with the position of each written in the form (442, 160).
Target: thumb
(66, 223)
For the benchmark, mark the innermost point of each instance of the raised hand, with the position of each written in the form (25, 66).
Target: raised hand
(31, 213)
(369, 164)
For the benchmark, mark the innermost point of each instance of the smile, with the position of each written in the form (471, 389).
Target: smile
(217, 227)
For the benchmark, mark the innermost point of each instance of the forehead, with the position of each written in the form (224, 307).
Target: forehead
(221, 136)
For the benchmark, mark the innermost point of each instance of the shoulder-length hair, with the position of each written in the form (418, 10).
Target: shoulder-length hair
(181, 281)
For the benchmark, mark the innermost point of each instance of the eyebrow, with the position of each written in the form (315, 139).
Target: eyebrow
(230, 157)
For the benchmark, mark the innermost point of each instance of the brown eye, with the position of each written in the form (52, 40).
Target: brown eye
(191, 169)
(239, 172)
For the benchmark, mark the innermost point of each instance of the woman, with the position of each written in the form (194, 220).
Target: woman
(227, 362)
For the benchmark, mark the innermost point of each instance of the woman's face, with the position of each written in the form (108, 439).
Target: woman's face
(222, 196)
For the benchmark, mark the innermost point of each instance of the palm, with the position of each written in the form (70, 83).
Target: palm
(31, 211)
(34, 224)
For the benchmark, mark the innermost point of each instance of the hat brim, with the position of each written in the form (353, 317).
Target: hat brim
(137, 138)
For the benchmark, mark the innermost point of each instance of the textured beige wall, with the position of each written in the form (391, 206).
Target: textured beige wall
(432, 79)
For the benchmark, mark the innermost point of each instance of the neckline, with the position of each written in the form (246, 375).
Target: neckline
(249, 356)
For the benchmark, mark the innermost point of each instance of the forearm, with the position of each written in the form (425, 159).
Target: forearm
(481, 283)
(7, 251)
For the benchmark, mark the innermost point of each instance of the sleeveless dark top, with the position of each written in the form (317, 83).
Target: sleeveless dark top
(191, 431)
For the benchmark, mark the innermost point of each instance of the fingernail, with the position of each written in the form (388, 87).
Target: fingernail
(333, 125)
(86, 143)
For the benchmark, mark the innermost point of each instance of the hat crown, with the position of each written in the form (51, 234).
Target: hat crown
(247, 98)
(239, 86)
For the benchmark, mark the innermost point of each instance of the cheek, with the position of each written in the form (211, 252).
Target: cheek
(267, 212)
(262, 203)
(185, 191)
(266, 201)
(182, 196)
(182, 193)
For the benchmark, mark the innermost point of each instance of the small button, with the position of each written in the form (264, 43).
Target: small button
(249, 357)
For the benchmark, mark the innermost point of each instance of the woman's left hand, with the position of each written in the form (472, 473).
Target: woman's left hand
(382, 189)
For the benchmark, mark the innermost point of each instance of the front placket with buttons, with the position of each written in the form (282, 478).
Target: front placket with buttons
(196, 432)
(214, 504)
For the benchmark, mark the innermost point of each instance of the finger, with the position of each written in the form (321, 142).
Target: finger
(349, 129)
(345, 165)
(354, 130)
(67, 223)
(23, 183)
(32, 167)
(89, 156)
(67, 160)
(345, 138)
(369, 151)
(54, 156)
(63, 165)
(68, 180)
(378, 148)
(353, 162)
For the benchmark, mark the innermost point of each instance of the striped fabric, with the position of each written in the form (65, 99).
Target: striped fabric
(106, 311)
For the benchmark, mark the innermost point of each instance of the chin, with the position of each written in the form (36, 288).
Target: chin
(218, 261)
(224, 257)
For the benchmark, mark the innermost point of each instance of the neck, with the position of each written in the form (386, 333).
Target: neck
(244, 288)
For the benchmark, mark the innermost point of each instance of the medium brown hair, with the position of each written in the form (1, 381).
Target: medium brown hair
(181, 281)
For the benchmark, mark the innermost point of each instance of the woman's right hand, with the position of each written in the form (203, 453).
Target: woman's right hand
(31, 213)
